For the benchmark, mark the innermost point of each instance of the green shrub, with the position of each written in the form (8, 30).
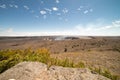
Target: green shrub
(11, 61)
(3, 65)
(9, 58)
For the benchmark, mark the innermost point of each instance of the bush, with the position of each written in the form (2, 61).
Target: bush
(9, 58)
(116, 49)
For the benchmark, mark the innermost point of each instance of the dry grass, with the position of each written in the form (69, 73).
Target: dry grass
(9, 58)
(100, 52)
(106, 59)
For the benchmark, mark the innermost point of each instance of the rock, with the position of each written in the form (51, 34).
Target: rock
(40, 71)
(24, 71)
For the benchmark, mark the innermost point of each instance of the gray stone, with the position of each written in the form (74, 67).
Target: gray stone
(40, 71)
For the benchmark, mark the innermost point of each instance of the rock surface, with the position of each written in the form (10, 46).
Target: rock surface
(40, 71)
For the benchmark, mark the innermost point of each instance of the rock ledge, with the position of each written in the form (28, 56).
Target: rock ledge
(40, 71)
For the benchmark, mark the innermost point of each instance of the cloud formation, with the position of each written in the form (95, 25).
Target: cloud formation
(57, 1)
(91, 10)
(9, 30)
(11, 5)
(91, 29)
(6, 32)
(65, 10)
(3, 6)
(97, 28)
(48, 10)
(55, 9)
(85, 12)
(80, 8)
(42, 2)
(16, 6)
(26, 7)
(43, 12)
(116, 23)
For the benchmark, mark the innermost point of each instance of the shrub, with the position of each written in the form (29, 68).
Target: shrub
(9, 58)
(116, 49)
(65, 50)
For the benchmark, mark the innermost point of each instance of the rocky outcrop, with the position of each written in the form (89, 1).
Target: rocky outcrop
(40, 71)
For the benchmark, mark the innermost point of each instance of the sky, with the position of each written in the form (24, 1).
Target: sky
(59, 17)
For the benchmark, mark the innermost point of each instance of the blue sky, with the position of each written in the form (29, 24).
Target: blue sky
(59, 17)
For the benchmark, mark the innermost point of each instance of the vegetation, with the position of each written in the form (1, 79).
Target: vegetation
(116, 49)
(79, 65)
(9, 58)
(65, 50)
(105, 72)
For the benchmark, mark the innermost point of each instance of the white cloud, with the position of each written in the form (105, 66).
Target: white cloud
(90, 29)
(85, 12)
(98, 28)
(26, 7)
(55, 9)
(13, 5)
(43, 12)
(65, 10)
(3, 6)
(79, 9)
(48, 33)
(16, 6)
(116, 23)
(10, 5)
(6, 32)
(49, 10)
(42, 2)
(37, 33)
(91, 10)
(81, 6)
(9, 30)
(57, 1)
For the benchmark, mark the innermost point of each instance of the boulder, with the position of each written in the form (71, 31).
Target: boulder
(40, 71)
